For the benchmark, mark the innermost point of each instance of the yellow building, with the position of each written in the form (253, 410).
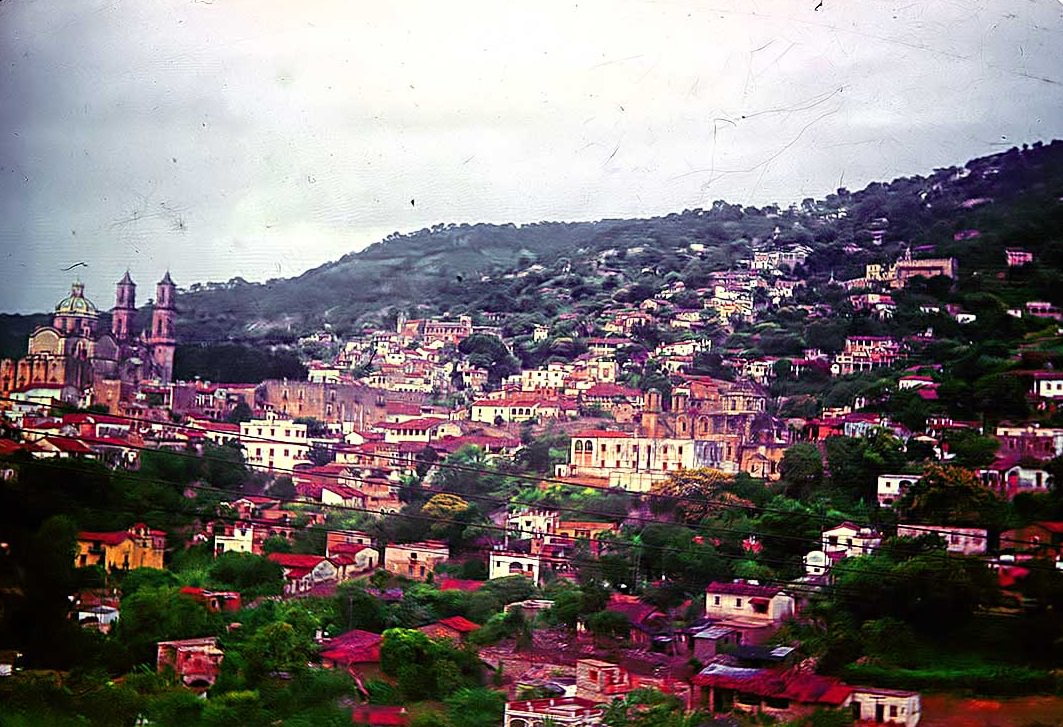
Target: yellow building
(138, 547)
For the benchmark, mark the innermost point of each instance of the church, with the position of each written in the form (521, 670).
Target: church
(76, 360)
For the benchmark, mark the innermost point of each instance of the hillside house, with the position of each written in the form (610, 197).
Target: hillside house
(454, 628)
(886, 706)
(302, 573)
(559, 711)
(274, 443)
(196, 662)
(962, 541)
(849, 540)
(1048, 385)
(1030, 440)
(891, 488)
(1013, 475)
(1042, 539)
(137, 547)
(785, 695)
(351, 649)
(234, 538)
(602, 682)
(416, 561)
(379, 715)
(753, 610)
(503, 563)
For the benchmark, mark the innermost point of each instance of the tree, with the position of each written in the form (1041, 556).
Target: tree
(476, 707)
(274, 648)
(161, 614)
(609, 624)
(802, 469)
(283, 487)
(444, 506)
(694, 494)
(948, 495)
(252, 575)
(240, 413)
(650, 708)
(933, 593)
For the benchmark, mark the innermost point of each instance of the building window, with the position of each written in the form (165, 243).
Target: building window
(893, 710)
(715, 600)
(738, 603)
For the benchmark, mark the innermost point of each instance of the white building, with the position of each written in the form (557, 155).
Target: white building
(274, 443)
(886, 706)
(963, 541)
(748, 602)
(849, 540)
(241, 540)
(503, 563)
(892, 488)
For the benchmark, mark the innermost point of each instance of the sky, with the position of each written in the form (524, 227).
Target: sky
(261, 138)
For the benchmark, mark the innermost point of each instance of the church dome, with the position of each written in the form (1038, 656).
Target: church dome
(76, 304)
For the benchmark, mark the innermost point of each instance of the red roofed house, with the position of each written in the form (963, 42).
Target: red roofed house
(379, 714)
(522, 407)
(303, 572)
(754, 611)
(215, 601)
(646, 620)
(352, 559)
(195, 661)
(424, 429)
(455, 628)
(138, 547)
(351, 648)
(1044, 538)
(1011, 475)
(780, 694)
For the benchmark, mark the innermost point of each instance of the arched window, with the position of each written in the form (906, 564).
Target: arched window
(579, 446)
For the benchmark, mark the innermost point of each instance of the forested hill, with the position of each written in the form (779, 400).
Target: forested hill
(1012, 199)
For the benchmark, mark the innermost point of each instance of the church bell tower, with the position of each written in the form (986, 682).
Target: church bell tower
(163, 335)
(125, 306)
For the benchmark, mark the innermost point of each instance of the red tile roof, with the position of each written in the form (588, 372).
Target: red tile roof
(459, 584)
(353, 647)
(422, 424)
(294, 560)
(379, 714)
(459, 623)
(742, 589)
(112, 539)
(795, 686)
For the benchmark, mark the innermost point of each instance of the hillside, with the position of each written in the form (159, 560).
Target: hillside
(1012, 198)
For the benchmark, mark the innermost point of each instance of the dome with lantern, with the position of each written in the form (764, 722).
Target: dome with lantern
(76, 304)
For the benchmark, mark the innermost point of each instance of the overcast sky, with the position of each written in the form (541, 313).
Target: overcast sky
(260, 138)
